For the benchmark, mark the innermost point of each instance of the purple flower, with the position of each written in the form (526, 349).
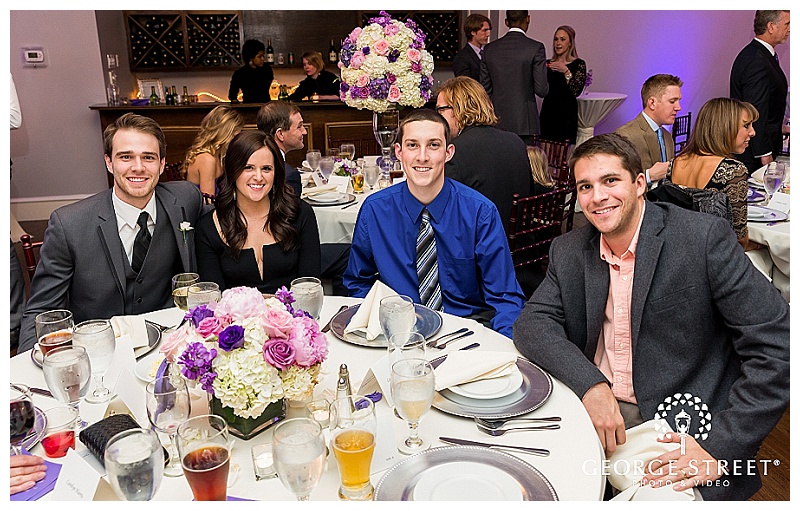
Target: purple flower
(390, 78)
(279, 353)
(416, 67)
(207, 382)
(198, 314)
(363, 93)
(375, 396)
(285, 296)
(365, 50)
(231, 338)
(393, 56)
(343, 87)
(196, 361)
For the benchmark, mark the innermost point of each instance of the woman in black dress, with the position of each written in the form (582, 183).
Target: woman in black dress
(260, 234)
(324, 83)
(566, 76)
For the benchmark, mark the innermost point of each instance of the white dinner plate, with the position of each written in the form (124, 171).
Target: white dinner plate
(146, 368)
(327, 197)
(762, 214)
(755, 183)
(490, 388)
(466, 481)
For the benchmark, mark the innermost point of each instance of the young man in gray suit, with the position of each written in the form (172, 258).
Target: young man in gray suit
(115, 253)
(513, 72)
(649, 301)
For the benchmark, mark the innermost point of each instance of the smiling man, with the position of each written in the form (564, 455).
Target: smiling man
(434, 239)
(115, 252)
(648, 301)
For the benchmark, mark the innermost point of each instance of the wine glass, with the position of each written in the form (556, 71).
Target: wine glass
(53, 329)
(97, 337)
(326, 166)
(396, 314)
(371, 174)
(67, 371)
(308, 295)
(773, 177)
(313, 157)
(180, 288)
(204, 446)
(23, 415)
(134, 461)
(168, 405)
(404, 345)
(202, 293)
(298, 449)
(347, 151)
(353, 430)
(412, 385)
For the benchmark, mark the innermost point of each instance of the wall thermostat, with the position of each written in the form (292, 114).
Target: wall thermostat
(33, 57)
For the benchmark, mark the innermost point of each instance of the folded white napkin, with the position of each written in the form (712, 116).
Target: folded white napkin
(366, 318)
(641, 446)
(758, 175)
(132, 326)
(468, 366)
(317, 190)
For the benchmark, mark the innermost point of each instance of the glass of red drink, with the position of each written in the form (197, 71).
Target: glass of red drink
(23, 415)
(59, 436)
(204, 447)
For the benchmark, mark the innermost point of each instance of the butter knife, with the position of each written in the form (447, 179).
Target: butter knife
(527, 450)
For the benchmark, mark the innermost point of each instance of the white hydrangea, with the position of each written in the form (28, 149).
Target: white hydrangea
(298, 383)
(244, 382)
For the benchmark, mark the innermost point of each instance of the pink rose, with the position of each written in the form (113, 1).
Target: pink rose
(394, 94)
(209, 327)
(413, 55)
(382, 48)
(354, 34)
(277, 323)
(175, 343)
(390, 29)
(362, 81)
(357, 60)
(279, 353)
(416, 67)
(240, 303)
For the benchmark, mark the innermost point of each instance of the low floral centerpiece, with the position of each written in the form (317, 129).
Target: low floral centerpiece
(384, 65)
(344, 167)
(249, 354)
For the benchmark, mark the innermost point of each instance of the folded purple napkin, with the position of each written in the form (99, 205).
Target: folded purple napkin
(43, 487)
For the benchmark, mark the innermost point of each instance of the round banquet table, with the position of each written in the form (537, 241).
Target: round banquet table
(572, 467)
(592, 108)
(777, 238)
(336, 223)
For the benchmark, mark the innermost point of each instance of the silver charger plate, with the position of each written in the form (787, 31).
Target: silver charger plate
(399, 482)
(535, 390)
(37, 433)
(428, 324)
(347, 199)
(762, 214)
(153, 336)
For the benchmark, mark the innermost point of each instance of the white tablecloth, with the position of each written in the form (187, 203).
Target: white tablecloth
(777, 238)
(592, 108)
(573, 466)
(336, 223)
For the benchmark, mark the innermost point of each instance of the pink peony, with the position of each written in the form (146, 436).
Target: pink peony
(413, 55)
(394, 94)
(277, 323)
(357, 60)
(279, 353)
(390, 29)
(362, 81)
(354, 34)
(176, 343)
(239, 303)
(311, 345)
(209, 327)
(382, 47)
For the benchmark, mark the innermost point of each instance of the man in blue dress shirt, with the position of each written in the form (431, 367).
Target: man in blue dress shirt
(472, 273)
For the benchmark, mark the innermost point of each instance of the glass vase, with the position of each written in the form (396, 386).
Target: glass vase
(248, 428)
(385, 126)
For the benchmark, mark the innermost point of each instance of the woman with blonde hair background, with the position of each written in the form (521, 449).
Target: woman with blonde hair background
(723, 129)
(540, 171)
(203, 162)
(566, 76)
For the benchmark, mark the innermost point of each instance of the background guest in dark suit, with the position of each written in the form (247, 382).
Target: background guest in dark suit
(566, 76)
(477, 29)
(513, 73)
(757, 77)
(91, 262)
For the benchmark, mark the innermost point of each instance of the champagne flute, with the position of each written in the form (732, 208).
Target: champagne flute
(97, 337)
(396, 314)
(168, 405)
(412, 384)
(53, 329)
(312, 157)
(67, 371)
(298, 449)
(134, 461)
(202, 293)
(347, 151)
(204, 446)
(180, 288)
(23, 415)
(308, 295)
(371, 174)
(353, 430)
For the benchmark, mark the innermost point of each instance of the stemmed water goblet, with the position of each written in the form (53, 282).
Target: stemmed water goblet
(371, 175)
(134, 461)
(298, 449)
(347, 151)
(202, 293)
(308, 295)
(67, 371)
(23, 415)
(773, 177)
(168, 405)
(396, 314)
(312, 157)
(412, 384)
(180, 288)
(53, 329)
(97, 337)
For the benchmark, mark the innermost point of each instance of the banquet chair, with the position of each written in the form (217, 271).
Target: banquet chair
(681, 129)
(172, 172)
(209, 198)
(557, 151)
(28, 251)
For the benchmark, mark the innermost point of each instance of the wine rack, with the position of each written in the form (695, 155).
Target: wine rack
(442, 29)
(184, 40)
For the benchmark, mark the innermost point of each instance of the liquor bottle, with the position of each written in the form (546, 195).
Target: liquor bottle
(167, 96)
(280, 59)
(153, 96)
(174, 95)
(186, 98)
(332, 56)
(291, 58)
(270, 52)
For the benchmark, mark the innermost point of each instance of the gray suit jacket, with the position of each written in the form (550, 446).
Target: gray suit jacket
(513, 72)
(82, 264)
(703, 321)
(645, 140)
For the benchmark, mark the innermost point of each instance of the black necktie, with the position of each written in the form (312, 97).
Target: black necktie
(141, 243)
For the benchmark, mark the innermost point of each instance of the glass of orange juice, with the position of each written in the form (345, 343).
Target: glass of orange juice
(353, 428)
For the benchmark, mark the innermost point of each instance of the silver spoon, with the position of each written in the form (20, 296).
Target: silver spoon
(501, 432)
(500, 423)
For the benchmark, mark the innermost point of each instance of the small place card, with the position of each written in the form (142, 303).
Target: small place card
(386, 454)
(318, 178)
(378, 378)
(77, 480)
(129, 392)
(780, 201)
(342, 183)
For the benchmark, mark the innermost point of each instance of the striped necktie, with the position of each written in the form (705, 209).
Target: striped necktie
(661, 145)
(141, 243)
(430, 293)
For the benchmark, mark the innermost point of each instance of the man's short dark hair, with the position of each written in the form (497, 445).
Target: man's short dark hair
(610, 144)
(250, 49)
(424, 114)
(474, 23)
(656, 85)
(762, 18)
(135, 122)
(275, 115)
(516, 17)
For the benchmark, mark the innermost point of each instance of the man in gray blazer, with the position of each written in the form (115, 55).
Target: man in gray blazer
(115, 253)
(513, 72)
(650, 301)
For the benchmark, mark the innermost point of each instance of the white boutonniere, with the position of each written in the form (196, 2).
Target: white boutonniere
(184, 228)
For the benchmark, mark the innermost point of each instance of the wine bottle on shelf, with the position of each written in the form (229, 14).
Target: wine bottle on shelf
(167, 96)
(186, 98)
(153, 96)
(270, 52)
(332, 56)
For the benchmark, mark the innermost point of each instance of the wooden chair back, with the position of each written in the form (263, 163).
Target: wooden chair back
(535, 222)
(28, 247)
(557, 151)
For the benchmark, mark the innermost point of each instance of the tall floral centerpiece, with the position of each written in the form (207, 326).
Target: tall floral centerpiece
(249, 354)
(385, 66)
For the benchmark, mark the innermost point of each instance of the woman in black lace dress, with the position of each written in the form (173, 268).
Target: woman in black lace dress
(566, 76)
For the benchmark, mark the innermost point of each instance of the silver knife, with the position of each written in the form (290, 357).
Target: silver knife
(527, 450)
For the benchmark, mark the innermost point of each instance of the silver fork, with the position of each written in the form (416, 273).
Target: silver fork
(448, 341)
(434, 342)
(501, 432)
(500, 423)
